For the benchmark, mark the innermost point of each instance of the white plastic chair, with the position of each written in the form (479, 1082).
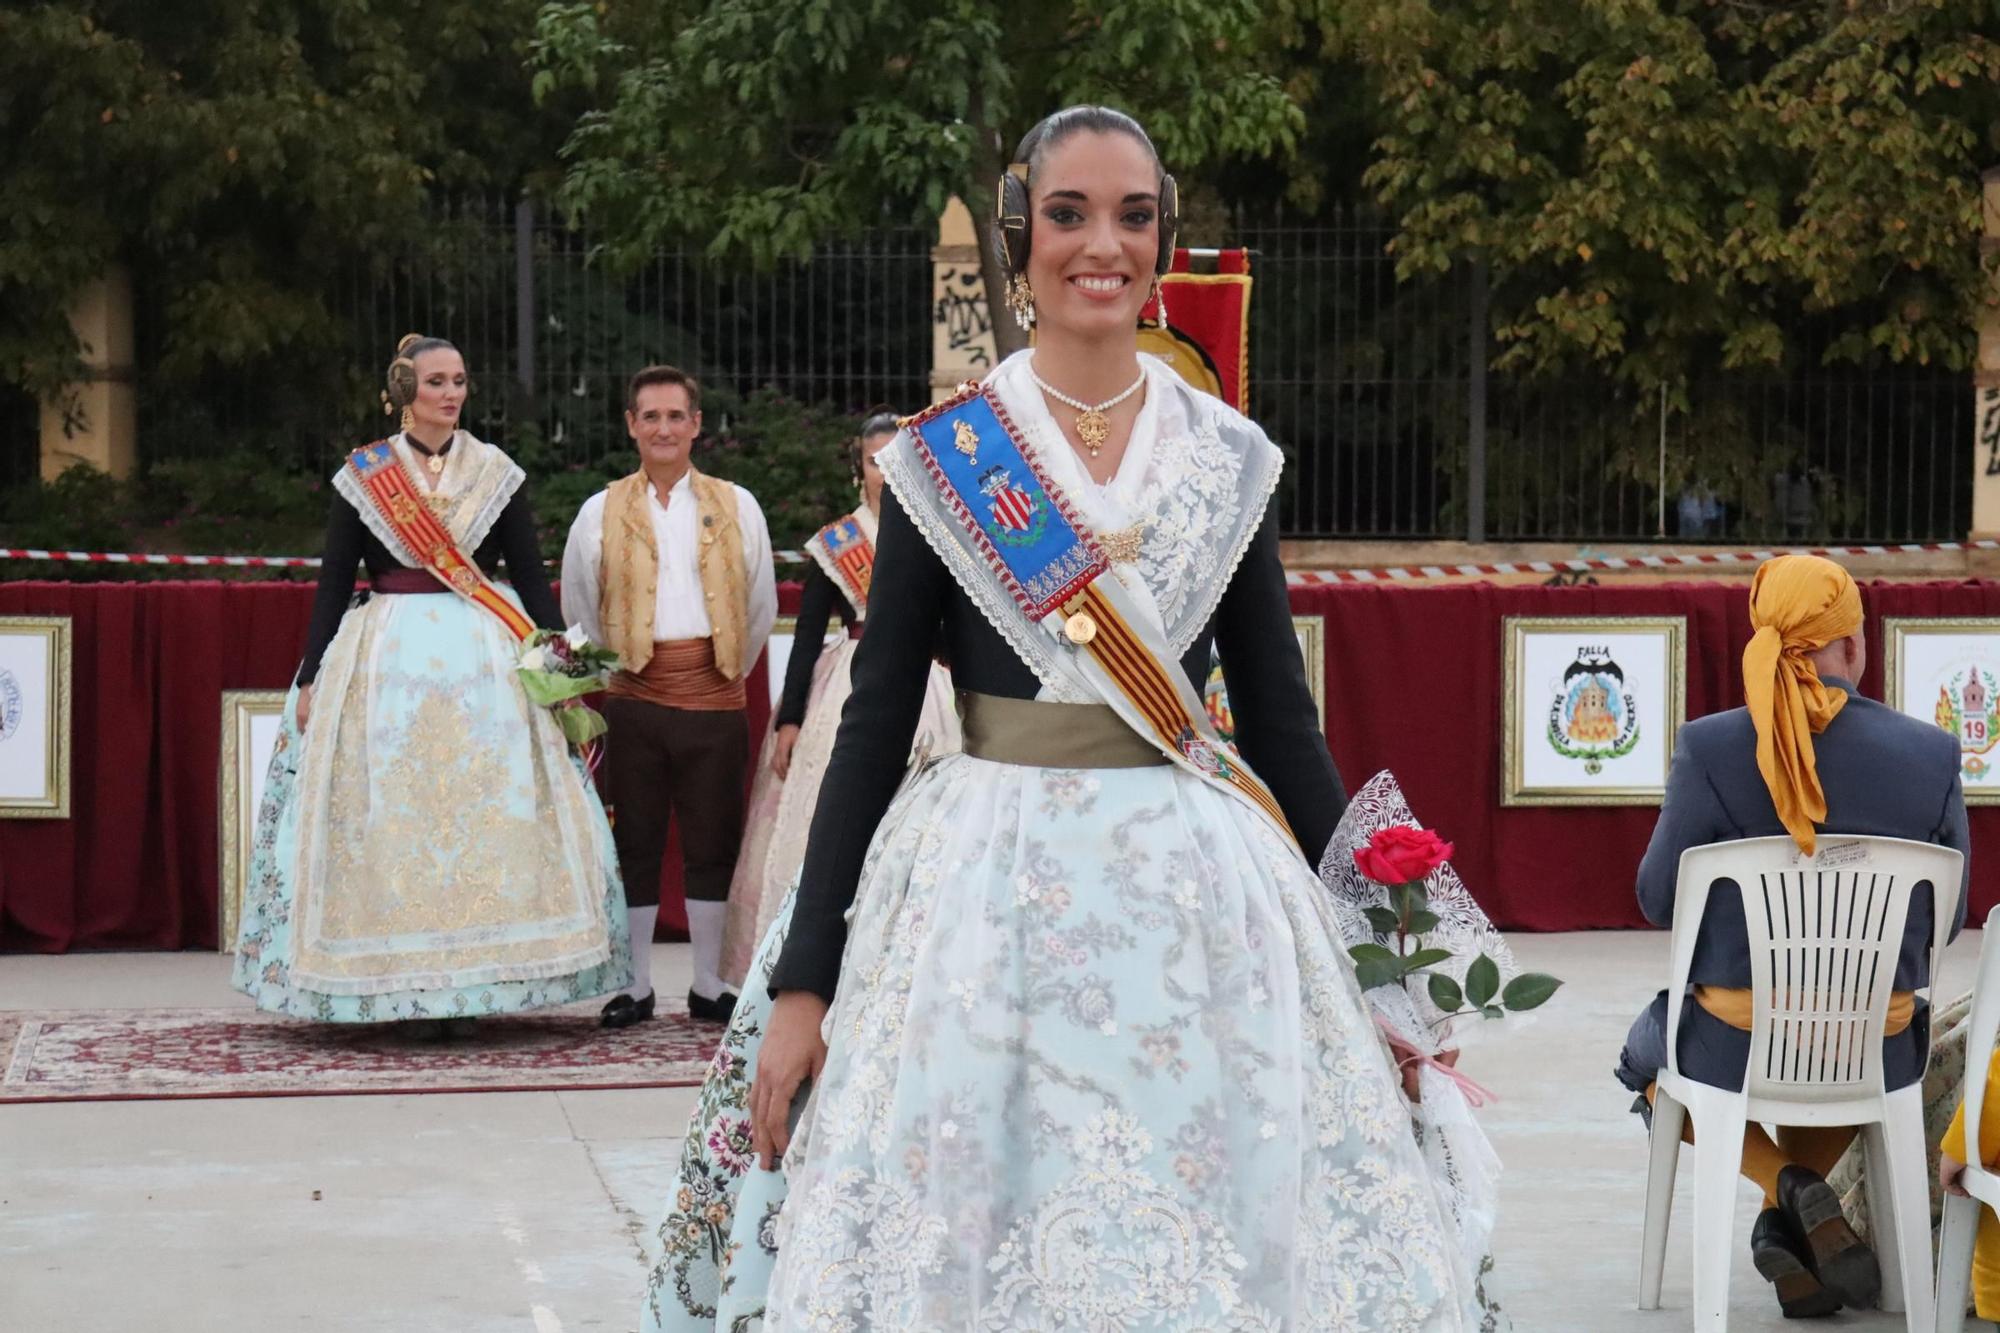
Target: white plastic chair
(1824, 934)
(1961, 1216)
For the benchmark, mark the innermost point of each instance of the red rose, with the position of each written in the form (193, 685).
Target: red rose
(1402, 855)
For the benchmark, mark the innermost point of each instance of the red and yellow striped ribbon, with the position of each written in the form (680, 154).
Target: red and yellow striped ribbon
(396, 499)
(1138, 674)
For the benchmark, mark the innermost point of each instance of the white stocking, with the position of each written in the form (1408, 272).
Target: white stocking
(705, 930)
(640, 921)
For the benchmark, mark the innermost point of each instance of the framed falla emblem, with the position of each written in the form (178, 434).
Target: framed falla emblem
(34, 717)
(252, 721)
(1947, 671)
(1592, 708)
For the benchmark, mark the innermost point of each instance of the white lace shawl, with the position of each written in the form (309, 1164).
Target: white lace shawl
(1197, 477)
(478, 481)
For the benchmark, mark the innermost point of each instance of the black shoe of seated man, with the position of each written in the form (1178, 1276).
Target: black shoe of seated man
(1781, 1256)
(718, 1010)
(1845, 1265)
(624, 1011)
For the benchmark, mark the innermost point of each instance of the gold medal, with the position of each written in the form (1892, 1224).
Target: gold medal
(1080, 629)
(435, 463)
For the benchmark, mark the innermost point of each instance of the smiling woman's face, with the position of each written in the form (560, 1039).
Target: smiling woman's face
(1095, 210)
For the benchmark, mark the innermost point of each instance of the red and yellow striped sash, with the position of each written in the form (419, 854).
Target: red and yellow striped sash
(397, 500)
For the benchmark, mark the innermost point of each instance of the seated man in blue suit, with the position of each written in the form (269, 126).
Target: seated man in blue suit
(1807, 754)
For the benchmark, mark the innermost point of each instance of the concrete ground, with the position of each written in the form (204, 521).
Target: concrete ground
(532, 1212)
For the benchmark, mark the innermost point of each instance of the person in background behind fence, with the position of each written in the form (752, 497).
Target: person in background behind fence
(672, 569)
(427, 848)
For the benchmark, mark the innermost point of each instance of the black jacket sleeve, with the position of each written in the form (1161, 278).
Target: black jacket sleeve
(515, 531)
(1277, 728)
(871, 750)
(339, 561)
(818, 600)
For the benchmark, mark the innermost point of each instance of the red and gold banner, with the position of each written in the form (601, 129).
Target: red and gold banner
(1207, 338)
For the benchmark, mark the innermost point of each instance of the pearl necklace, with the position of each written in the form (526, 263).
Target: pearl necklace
(1091, 426)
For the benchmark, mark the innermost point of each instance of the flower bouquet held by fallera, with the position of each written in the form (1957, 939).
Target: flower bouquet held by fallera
(1432, 970)
(557, 670)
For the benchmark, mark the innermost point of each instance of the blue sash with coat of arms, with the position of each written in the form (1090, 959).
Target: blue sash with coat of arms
(1052, 568)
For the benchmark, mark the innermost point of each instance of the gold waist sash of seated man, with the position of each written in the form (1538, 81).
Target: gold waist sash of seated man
(682, 674)
(1732, 1006)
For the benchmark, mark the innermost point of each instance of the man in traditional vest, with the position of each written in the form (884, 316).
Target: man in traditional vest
(672, 570)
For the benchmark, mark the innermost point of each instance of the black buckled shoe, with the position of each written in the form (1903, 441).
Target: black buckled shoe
(718, 1010)
(624, 1011)
(1786, 1264)
(1845, 1265)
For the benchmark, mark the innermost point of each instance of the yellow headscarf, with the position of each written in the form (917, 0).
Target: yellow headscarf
(1798, 605)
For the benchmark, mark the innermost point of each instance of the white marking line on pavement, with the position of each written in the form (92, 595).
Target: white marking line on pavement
(517, 1236)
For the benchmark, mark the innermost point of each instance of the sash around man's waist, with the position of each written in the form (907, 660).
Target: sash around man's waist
(681, 673)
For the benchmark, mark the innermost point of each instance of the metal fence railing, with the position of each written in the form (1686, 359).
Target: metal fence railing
(1370, 385)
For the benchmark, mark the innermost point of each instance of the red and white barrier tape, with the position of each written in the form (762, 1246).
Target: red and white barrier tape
(230, 561)
(1308, 578)
(1298, 578)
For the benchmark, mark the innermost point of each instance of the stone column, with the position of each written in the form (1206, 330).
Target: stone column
(962, 345)
(96, 421)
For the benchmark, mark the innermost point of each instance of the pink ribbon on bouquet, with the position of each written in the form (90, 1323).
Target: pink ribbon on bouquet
(1475, 1095)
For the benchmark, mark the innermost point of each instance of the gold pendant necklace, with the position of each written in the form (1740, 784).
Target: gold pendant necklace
(433, 459)
(1093, 428)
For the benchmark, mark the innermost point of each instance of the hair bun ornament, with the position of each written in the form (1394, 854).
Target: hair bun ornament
(402, 375)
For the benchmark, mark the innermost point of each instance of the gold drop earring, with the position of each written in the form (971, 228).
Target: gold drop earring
(1021, 300)
(409, 420)
(1160, 300)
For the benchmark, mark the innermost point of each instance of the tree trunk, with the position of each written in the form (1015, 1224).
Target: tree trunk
(987, 164)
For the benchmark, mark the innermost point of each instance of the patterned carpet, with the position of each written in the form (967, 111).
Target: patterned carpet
(137, 1054)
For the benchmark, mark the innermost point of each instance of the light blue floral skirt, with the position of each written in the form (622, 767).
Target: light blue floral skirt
(1097, 1061)
(429, 848)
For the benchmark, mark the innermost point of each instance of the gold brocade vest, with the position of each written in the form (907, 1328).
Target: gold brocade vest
(630, 571)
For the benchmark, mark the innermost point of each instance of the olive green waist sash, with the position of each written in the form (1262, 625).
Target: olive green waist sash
(1050, 735)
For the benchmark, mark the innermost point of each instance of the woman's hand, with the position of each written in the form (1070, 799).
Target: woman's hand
(1950, 1170)
(792, 1053)
(304, 708)
(781, 753)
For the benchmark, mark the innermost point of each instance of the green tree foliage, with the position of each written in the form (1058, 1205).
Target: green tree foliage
(763, 126)
(234, 153)
(1664, 187)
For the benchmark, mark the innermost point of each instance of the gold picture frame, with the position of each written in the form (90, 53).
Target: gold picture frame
(1311, 634)
(244, 763)
(35, 709)
(1904, 650)
(1540, 765)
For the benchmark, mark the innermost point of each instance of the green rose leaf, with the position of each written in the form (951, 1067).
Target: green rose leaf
(1422, 921)
(1372, 953)
(1425, 958)
(1373, 972)
(1384, 921)
(1530, 990)
(1445, 993)
(1482, 980)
